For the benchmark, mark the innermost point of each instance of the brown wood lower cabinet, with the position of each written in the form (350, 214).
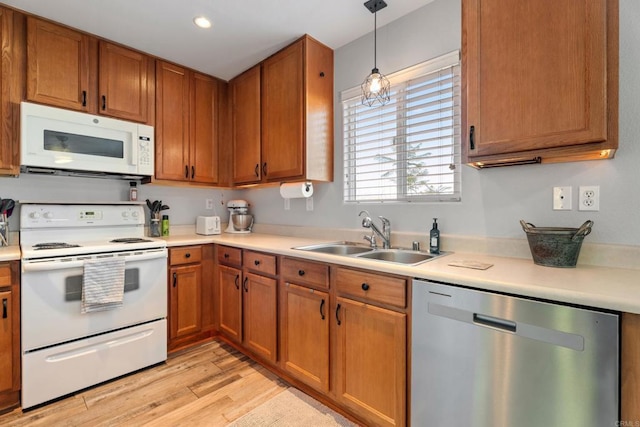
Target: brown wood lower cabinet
(230, 302)
(305, 335)
(9, 335)
(260, 315)
(190, 291)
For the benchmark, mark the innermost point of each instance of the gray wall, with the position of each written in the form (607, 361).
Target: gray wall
(493, 201)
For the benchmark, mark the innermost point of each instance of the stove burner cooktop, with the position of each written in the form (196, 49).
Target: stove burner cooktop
(130, 240)
(54, 245)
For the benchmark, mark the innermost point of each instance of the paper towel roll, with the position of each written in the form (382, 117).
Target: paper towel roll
(296, 190)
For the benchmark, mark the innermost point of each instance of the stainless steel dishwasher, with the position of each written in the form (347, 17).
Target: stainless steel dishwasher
(491, 360)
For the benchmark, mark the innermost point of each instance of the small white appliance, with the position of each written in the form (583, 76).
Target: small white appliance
(207, 225)
(64, 142)
(239, 219)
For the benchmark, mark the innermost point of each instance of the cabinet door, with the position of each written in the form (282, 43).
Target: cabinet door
(124, 83)
(60, 63)
(245, 99)
(9, 78)
(185, 295)
(305, 335)
(536, 77)
(282, 114)
(203, 135)
(172, 122)
(6, 341)
(260, 315)
(370, 362)
(230, 310)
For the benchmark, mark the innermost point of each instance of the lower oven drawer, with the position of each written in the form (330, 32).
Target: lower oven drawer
(59, 370)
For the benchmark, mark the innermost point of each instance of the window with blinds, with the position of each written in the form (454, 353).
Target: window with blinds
(409, 149)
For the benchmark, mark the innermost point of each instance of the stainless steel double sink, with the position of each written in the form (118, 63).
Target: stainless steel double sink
(352, 249)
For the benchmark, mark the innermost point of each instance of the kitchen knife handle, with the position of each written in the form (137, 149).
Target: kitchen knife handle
(104, 102)
(175, 279)
(322, 309)
(338, 315)
(472, 137)
(244, 284)
(84, 98)
(4, 308)
(237, 281)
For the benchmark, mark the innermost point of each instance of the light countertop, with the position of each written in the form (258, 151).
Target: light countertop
(9, 253)
(603, 287)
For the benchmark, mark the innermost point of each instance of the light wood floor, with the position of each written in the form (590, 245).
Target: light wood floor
(210, 385)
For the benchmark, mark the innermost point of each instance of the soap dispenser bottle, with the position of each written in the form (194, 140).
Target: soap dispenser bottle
(434, 238)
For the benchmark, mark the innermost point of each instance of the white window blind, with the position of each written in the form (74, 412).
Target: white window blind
(409, 149)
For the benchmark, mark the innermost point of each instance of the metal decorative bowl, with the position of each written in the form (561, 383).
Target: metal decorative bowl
(242, 222)
(555, 246)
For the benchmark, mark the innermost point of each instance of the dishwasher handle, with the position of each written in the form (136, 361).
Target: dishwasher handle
(494, 322)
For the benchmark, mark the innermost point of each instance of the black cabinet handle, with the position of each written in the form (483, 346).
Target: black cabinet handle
(193, 172)
(256, 262)
(300, 272)
(257, 170)
(226, 256)
(104, 102)
(472, 137)
(365, 286)
(237, 281)
(187, 255)
(338, 315)
(244, 284)
(322, 309)
(4, 308)
(321, 73)
(84, 98)
(175, 279)
(264, 169)
(186, 171)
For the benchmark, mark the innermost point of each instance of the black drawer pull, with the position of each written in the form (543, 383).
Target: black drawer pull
(186, 171)
(322, 309)
(472, 137)
(365, 286)
(338, 315)
(193, 172)
(225, 256)
(187, 255)
(300, 272)
(237, 281)
(4, 308)
(256, 262)
(244, 284)
(84, 98)
(257, 170)
(264, 169)
(104, 102)
(175, 279)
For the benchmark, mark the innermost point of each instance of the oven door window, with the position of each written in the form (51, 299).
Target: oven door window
(73, 284)
(82, 144)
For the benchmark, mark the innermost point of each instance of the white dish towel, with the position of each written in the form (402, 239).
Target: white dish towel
(102, 284)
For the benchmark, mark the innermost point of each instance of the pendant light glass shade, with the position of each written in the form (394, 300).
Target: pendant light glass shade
(376, 88)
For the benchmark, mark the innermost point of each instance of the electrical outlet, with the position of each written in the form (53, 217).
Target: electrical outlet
(562, 198)
(310, 203)
(589, 198)
(208, 204)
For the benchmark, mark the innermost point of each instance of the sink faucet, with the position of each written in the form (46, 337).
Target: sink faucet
(385, 234)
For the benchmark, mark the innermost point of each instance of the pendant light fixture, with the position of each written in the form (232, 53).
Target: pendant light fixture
(376, 87)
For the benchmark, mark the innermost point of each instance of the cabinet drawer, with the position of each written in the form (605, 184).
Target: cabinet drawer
(373, 287)
(229, 256)
(305, 272)
(259, 262)
(185, 255)
(5, 275)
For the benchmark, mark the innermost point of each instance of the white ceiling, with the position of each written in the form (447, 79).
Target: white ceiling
(244, 32)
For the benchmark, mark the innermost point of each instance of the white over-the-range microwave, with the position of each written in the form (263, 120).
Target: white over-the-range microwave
(54, 140)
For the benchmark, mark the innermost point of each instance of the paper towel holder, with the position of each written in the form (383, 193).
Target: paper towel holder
(308, 188)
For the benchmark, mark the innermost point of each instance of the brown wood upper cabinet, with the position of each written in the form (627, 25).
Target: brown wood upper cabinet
(293, 126)
(11, 81)
(71, 69)
(186, 125)
(540, 81)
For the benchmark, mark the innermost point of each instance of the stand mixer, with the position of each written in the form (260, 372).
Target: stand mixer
(239, 219)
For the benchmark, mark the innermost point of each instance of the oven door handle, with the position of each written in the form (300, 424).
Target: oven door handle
(29, 266)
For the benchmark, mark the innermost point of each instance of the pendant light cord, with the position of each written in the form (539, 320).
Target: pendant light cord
(375, 40)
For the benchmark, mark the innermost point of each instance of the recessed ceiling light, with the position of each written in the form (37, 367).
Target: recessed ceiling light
(202, 22)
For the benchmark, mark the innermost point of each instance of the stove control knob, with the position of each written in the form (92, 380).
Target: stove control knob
(134, 214)
(34, 215)
(48, 215)
(125, 214)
